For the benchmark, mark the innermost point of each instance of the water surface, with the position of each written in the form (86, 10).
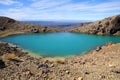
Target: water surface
(59, 44)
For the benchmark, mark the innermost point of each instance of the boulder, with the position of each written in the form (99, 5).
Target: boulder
(35, 30)
(115, 70)
(80, 78)
(98, 48)
(2, 28)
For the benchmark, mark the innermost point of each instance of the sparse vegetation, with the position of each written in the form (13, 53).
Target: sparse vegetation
(9, 56)
(56, 60)
(12, 57)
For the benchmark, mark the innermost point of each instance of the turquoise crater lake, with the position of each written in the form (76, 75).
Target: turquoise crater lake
(59, 44)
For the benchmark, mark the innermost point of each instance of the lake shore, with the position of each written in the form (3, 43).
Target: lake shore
(102, 63)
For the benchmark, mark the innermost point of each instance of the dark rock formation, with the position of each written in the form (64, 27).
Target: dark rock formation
(45, 29)
(2, 64)
(2, 28)
(10, 48)
(35, 30)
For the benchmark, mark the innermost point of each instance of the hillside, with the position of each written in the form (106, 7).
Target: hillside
(107, 26)
(10, 26)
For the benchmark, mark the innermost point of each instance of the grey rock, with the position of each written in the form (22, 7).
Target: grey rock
(40, 65)
(98, 48)
(34, 30)
(115, 70)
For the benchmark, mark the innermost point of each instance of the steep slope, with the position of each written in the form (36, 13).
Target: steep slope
(107, 26)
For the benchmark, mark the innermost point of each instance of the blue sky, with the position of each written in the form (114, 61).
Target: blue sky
(59, 9)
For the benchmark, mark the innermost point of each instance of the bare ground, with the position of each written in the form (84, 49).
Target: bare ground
(99, 64)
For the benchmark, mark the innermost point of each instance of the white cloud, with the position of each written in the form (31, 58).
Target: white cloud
(43, 4)
(108, 6)
(102, 7)
(59, 9)
(9, 2)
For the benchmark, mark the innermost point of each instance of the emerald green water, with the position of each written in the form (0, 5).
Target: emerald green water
(59, 44)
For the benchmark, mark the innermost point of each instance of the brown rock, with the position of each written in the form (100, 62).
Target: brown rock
(28, 73)
(80, 78)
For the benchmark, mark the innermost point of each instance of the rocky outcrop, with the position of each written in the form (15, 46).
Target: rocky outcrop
(6, 48)
(35, 30)
(107, 26)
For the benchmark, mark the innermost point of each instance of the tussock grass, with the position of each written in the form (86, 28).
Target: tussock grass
(11, 56)
(56, 60)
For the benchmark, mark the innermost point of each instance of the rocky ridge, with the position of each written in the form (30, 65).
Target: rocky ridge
(107, 26)
(10, 26)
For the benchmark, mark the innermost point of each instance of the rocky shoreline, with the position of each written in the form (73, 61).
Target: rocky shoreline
(100, 64)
